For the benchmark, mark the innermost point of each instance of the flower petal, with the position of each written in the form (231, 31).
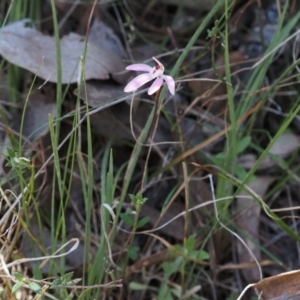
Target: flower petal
(139, 67)
(155, 85)
(158, 62)
(170, 82)
(137, 82)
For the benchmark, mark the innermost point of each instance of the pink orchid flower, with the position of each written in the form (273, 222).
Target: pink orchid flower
(156, 73)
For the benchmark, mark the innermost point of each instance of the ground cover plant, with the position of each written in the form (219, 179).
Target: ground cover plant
(149, 149)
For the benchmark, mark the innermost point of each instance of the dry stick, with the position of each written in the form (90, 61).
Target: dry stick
(199, 98)
(137, 140)
(276, 48)
(68, 14)
(155, 116)
(15, 218)
(151, 132)
(166, 208)
(186, 216)
(4, 266)
(289, 197)
(229, 230)
(172, 38)
(265, 207)
(123, 32)
(209, 202)
(162, 256)
(209, 140)
(41, 170)
(174, 250)
(187, 202)
(46, 257)
(170, 247)
(258, 62)
(107, 240)
(111, 284)
(90, 17)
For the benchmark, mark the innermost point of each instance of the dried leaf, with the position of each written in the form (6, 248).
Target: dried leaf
(100, 93)
(142, 52)
(283, 147)
(36, 115)
(211, 94)
(154, 215)
(115, 121)
(104, 37)
(249, 220)
(31, 50)
(280, 287)
(30, 248)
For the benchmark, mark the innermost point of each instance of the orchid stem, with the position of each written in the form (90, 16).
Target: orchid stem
(151, 133)
(155, 116)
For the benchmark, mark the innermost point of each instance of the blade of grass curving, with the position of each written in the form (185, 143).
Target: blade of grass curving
(57, 228)
(55, 138)
(97, 271)
(90, 185)
(259, 73)
(17, 13)
(59, 98)
(241, 184)
(105, 215)
(212, 13)
(223, 188)
(8, 13)
(86, 169)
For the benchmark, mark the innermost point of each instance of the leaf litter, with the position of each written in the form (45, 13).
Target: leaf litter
(28, 48)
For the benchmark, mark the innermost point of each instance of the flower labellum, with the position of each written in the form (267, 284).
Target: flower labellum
(156, 73)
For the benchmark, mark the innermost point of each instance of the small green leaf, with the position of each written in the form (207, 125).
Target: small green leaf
(167, 267)
(17, 286)
(11, 153)
(199, 254)
(56, 282)
(177, 291)
(165, 292)
(128, 220)
(9, 164)
(172, 267)
(67, 276)
(190, 243)
(135, 286)
(18, 276)
(142, 222)
(35, 287)
(37, 273)
(133, 252)
(138, 200)
(243, 144)
(180, 249)
(241, 173)
(75, 281)
(132, 197)
(71, 296)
